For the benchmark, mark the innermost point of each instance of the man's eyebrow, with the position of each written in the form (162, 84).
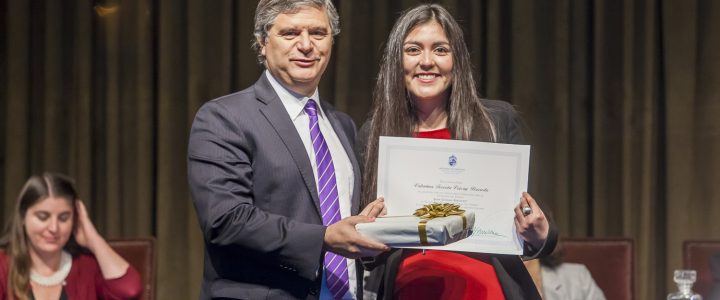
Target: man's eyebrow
(318, 28)
(287, 28)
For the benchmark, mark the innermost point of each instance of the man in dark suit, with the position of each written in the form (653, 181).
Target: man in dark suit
(273, 175)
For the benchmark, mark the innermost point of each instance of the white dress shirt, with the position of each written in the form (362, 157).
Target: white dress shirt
(344, 177)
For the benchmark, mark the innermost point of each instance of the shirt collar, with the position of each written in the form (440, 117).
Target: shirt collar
(294, 103)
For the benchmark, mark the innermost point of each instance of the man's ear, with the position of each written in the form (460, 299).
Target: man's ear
(261, 42)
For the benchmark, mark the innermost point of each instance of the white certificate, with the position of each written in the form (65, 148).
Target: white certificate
(486, 178)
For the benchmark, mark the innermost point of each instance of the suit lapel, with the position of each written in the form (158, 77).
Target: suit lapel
(345, 141)
(277, 116)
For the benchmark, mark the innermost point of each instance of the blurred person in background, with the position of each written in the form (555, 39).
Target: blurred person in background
(52, 251)
(558, 280)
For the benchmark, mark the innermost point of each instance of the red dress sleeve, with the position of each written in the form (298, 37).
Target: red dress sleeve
(4, 271)
(86, 282)
(128, 286)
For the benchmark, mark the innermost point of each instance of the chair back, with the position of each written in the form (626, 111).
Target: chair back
(139, 253)
(696, 256)
(610, 261)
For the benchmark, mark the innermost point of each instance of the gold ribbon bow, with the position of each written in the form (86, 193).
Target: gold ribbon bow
(436, 210)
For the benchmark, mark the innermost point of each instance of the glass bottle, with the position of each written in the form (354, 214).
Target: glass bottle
(684, 280)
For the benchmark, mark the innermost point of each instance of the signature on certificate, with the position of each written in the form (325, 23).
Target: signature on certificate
(477, 231)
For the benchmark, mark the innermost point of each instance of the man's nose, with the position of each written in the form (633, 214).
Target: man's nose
(305, 44)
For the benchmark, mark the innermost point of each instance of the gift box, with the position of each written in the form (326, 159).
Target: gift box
(431, 225)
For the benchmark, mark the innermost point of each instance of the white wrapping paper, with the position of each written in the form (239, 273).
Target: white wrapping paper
(402, 231)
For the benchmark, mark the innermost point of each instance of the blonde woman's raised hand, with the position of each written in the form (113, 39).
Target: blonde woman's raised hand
(85, 232)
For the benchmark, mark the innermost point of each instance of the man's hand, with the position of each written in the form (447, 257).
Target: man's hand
(376, 208)
(343, 239)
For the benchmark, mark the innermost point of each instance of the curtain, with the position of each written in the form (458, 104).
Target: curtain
(618, 98)
(691, 72)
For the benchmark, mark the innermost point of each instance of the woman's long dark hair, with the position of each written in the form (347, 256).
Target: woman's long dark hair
(394, 112)
(15, 242)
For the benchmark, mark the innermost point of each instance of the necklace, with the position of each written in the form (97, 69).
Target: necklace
(59, 276)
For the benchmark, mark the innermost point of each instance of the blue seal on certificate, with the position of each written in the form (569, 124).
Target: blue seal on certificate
(452, 160)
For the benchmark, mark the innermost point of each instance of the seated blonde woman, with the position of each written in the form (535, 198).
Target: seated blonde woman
(52, 251)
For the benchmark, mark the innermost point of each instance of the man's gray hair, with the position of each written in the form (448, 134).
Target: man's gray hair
(268, 10)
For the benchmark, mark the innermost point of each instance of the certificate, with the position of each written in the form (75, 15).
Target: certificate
(485, 178)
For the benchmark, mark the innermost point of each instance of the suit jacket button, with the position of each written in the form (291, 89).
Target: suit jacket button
(314, 291)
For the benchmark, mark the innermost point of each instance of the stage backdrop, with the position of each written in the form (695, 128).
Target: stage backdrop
(619, 99)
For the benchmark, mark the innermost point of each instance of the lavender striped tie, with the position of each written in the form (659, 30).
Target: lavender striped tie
(335, 265)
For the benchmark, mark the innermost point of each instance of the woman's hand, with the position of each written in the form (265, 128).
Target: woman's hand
(375, 209)
(85, 232)
(112, 265)
(531, 224)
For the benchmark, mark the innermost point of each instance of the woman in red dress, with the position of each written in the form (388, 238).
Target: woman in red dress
(52, 250)
(426, 89)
